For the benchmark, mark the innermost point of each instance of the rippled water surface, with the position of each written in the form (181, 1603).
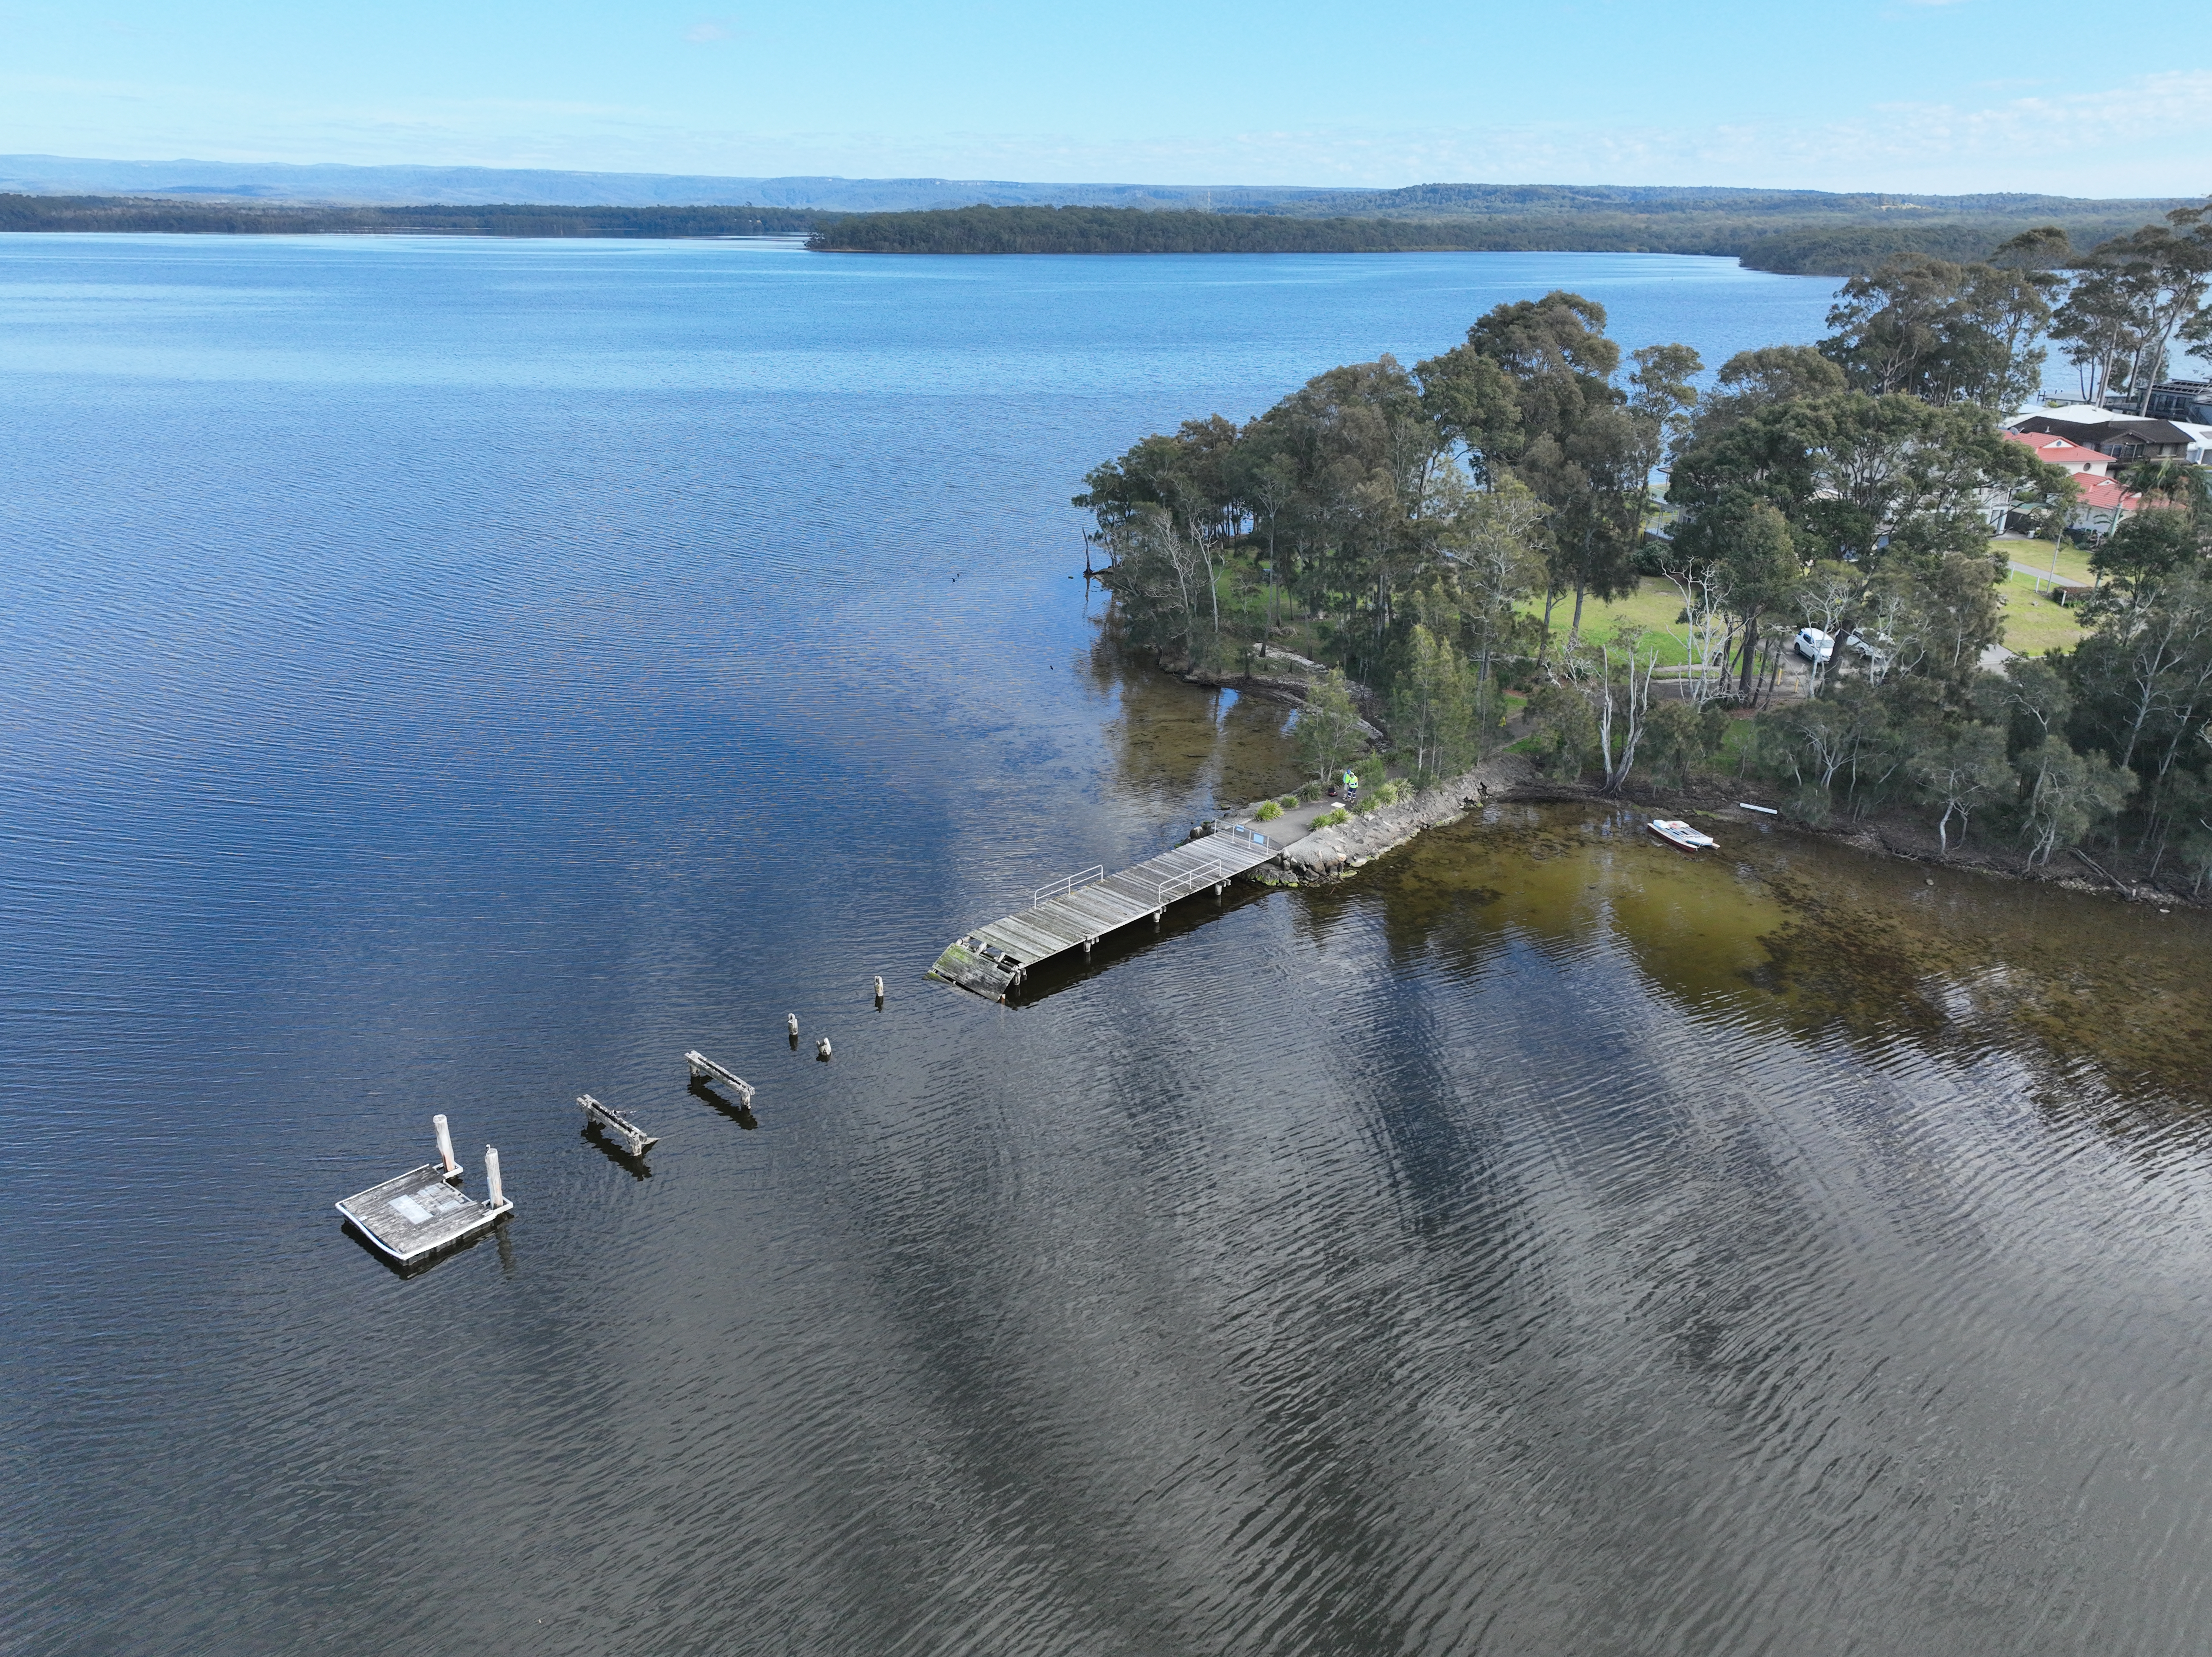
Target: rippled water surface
(452, 677)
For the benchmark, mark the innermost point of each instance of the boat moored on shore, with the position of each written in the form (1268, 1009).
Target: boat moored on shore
(1678, 833)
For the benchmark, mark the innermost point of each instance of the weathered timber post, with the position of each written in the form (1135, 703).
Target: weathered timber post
(822, 1049)
(446, 1148)
(879, 990)
(491, 1177)
(704, 1069)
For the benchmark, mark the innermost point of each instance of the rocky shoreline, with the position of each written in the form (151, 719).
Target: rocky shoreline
(1331, 853)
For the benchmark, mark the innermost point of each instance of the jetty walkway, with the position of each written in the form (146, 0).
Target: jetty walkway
(1076, 912)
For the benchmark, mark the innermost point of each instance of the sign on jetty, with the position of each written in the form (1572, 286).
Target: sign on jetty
(1075, 913)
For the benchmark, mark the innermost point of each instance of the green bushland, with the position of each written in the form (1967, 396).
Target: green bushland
(142, 214)
(1795, 232)
(1792, 232)
(1267, 812)
(1416, 529)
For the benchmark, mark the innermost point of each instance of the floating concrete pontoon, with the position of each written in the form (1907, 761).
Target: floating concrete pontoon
(704, 1069)
(635, 1139)
(1076, 912)
(416, 1215)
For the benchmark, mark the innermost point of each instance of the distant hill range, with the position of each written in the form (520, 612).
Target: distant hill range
(1797, 231)
(66, 175)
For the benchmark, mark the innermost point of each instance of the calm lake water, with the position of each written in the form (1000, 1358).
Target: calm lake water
(453, 676)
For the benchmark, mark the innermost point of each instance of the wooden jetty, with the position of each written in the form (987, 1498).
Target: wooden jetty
(1076, 912)
(704, 1069)
(413, 1216)
(635, 1139)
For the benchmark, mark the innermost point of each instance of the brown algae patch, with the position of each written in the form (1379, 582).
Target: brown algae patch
(2101, 999)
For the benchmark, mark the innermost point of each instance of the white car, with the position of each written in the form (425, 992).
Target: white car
(1814, 645)
(1876, 650)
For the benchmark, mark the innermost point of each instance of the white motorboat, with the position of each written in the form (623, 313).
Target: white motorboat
(1679, 833)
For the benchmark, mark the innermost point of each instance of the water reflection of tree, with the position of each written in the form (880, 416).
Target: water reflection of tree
(1171, 740)
(2105, 1005)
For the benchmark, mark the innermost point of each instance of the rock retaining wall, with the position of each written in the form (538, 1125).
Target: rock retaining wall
(1331, 853)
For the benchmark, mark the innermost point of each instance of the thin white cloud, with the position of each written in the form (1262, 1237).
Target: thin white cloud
(2149, 136)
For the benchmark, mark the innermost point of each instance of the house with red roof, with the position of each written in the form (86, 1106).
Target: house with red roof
(2057, 450)
(2103, 504)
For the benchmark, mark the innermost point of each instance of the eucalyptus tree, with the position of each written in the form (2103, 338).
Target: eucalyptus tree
(2099, 325)
(2142, 680)
(1329, 733)
(1755, 380)
(1856, 474)
(1620, 691)
(1946, 332)
(2067, 796)
(1959, 767)
(1532, 392)
(1492, 545)
(2163, 272)
(1737, 550)
(1432, 707)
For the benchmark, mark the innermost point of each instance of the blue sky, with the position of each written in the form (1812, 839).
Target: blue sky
(1962, 95)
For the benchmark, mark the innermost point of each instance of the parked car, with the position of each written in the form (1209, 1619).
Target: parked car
(1814, 645)
(1877, 650)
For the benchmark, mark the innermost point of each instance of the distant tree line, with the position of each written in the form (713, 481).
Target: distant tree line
(1131, 230)
(1797, 233)
(142, 214)
(1827, 249)
(1419, 529)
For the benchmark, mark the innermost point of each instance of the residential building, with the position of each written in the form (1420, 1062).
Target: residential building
(2124, 437)
(2183, 401)
(2103, 502)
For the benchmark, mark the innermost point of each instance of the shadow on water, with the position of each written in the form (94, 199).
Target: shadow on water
(635, 1167)
(741, 1115)
(2107, 1003)
(1184, 916)
(406, 1270)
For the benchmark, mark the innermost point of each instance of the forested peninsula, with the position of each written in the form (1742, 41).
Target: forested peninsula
(1469, 553)
(1792, 232)
(1798, 232)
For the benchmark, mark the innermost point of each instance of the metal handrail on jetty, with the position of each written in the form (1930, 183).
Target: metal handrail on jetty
(1076, 911)
(1067, 883)
(1164, 892)
(1249, 836)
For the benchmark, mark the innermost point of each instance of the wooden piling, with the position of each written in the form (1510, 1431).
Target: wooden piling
(635, 1139)
(704, 1069)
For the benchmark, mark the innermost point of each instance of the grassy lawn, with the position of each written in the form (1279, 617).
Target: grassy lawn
(1653, 608)
(2033, 623)
(2073, 562)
